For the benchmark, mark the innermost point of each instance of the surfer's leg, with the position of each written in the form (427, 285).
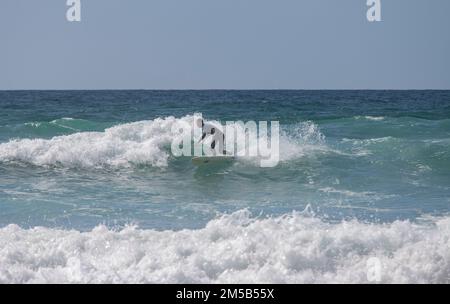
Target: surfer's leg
(220, 142)
(224, 152)
(213, 145)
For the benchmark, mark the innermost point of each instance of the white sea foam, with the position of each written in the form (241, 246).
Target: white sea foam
(296, 142)
(365, 194)
(305, 139)
(231, 249)
(372, 118)
(143, 142)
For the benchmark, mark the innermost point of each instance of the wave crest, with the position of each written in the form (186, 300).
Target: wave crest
(141, 142)
(137, 143)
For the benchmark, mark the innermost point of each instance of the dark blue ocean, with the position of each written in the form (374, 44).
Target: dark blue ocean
(89, 186)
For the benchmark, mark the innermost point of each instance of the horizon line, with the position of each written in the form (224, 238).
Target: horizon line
(248, 89)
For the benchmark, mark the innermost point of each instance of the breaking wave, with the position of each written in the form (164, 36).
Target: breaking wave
(137, 143)
(236, 248)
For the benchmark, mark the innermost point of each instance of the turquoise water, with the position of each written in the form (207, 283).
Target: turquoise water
(372, 155)
(361, 174)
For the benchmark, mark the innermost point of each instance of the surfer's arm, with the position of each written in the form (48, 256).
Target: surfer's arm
(203, 137)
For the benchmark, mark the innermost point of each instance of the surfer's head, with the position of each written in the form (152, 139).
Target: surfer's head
(200, 122)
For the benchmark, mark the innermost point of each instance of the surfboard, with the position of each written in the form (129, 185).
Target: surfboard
(203, 160)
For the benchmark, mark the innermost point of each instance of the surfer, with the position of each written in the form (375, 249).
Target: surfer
(218, 138)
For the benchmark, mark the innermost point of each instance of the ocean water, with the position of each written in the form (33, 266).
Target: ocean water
(90, 192)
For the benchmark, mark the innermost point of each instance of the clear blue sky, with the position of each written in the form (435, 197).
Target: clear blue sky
(234, 44)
